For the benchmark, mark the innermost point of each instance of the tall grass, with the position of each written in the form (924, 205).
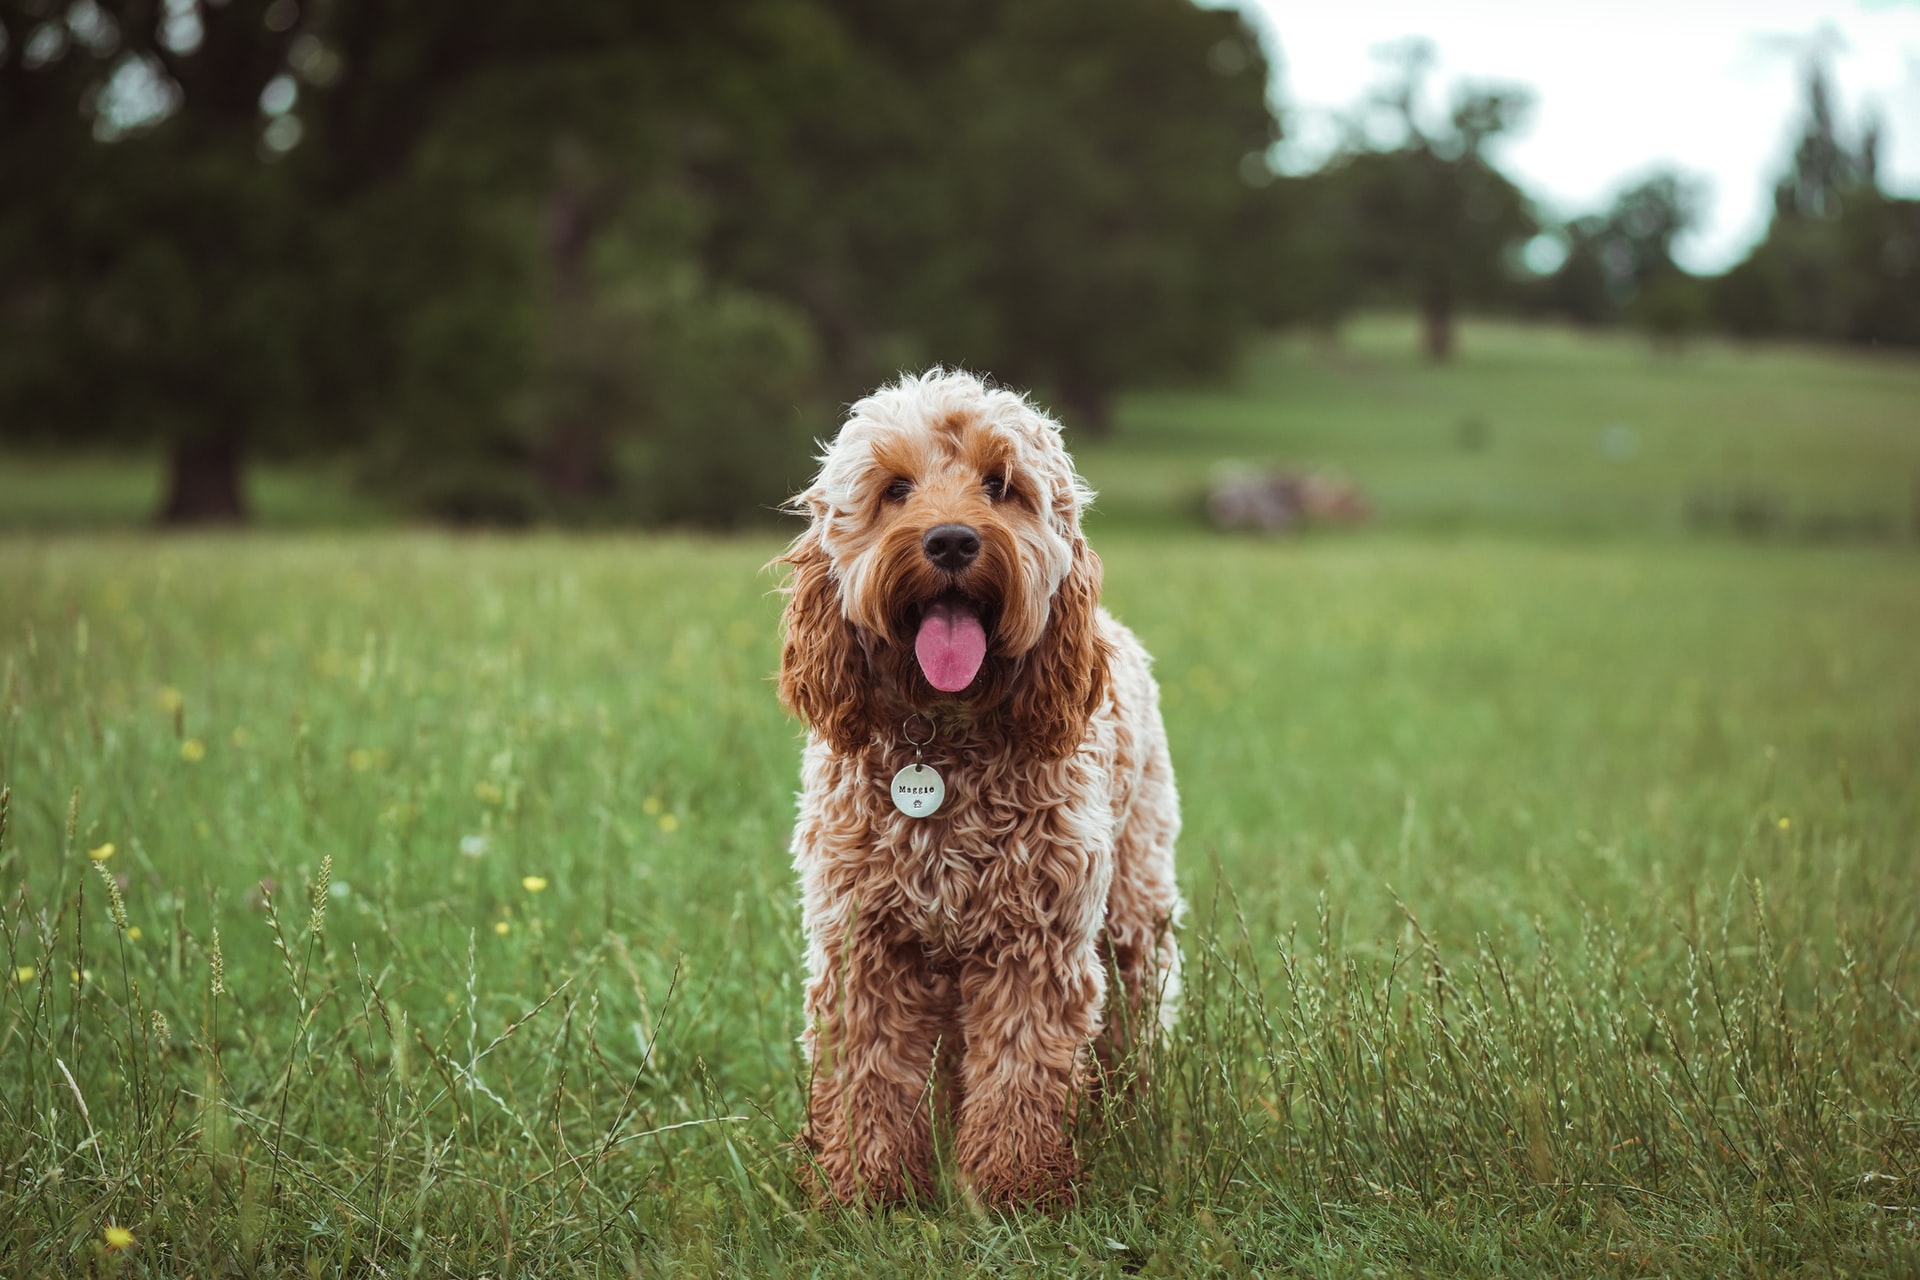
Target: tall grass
(404, 906)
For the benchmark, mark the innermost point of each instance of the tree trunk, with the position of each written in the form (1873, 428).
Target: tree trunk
(1089, 408)
(574, 462)
(574, 458)
(1436, 324)
(204, 483)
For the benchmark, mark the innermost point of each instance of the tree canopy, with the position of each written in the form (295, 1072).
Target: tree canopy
(1841, 259)
(1425, 218)
(592, 254)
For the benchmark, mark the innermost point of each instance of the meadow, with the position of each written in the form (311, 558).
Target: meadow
(396, 903)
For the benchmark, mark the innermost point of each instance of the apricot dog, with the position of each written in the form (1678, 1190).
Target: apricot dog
(943, 611)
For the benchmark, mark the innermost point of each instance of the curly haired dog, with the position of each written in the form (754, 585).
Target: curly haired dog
(942, 594)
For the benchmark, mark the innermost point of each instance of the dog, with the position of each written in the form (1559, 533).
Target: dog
(987, 815)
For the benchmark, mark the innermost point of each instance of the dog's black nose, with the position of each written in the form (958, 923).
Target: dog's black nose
(951, 546)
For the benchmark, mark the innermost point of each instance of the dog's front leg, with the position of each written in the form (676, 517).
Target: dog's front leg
(875, 1014)
(1028, 1011)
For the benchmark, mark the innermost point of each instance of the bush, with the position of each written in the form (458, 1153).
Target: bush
(667, 401)
(1670, 310)
(727, 404)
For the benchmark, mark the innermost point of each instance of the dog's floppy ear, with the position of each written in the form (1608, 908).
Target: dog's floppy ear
(1065, 676)
(823, 668)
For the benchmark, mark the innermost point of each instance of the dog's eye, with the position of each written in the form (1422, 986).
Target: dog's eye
(899, 489)
(996, 487)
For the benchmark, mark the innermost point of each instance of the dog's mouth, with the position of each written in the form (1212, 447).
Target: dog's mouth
(950, 640)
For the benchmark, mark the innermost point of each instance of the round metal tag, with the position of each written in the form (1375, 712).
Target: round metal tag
(918, 790)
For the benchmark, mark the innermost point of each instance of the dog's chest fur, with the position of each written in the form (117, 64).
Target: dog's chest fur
(1017, 844)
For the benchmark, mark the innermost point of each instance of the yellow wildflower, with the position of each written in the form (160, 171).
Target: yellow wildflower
(534, 884)
(651, 805)
(1785, 823)
(669, 823)
(133, 934)
(193, 751)
(100, 853)
(171, 699)
(25, 973)
(502, 928)
(118, 1238)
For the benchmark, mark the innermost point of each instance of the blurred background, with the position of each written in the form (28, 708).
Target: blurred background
(593, 262)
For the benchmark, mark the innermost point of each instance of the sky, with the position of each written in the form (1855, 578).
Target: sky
(1713, 87)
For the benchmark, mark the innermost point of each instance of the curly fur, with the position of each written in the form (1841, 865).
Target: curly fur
(970, 949)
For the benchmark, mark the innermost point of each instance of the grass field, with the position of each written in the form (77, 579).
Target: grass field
(1543, 431)
(1534, 431)
(396, 904)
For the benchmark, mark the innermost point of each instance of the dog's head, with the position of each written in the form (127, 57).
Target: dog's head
(944, 564)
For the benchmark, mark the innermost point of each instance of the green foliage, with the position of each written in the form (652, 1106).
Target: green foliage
(1645, 222)
(1429, 221)
(198, 251)
(1671, 309)
(1620, 265)
(456, 240)
(1854, 277)
(1841, 260)
(193, 271)
(1881, 239)
(1040, 190)
(1825, 170)
(719, 386)
(1541, 916)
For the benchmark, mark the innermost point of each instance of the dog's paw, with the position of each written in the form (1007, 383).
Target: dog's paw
(832, 1180)
(1048, 1184)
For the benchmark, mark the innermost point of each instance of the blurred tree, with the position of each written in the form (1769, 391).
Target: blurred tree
(148, 280)
(586, 162)
(1431, 218)
(590, 255)
(1841, 259)
(1645, 222)
(184, 267)
(1880, 249)
(1105, 149)
(1582, 289)
(1618, 261)
(1045, 189)
(1824, 169)
(1747, 302)
(237, 246)
(1670, 309)
(1297, 254)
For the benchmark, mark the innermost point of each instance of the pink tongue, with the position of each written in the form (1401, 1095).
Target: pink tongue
(951, 646)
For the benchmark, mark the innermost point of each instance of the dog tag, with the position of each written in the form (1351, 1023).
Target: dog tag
(918, 791)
